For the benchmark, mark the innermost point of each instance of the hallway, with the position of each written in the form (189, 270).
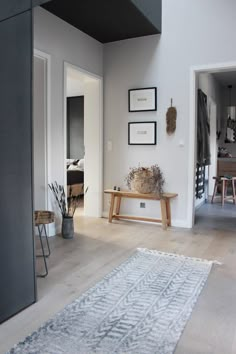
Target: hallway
(215, 217)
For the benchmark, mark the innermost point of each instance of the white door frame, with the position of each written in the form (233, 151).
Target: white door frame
(47, 58)
(193, 130)
(100, 132)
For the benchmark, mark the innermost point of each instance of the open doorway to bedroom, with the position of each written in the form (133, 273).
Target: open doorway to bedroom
(83, 139)
(75, 149)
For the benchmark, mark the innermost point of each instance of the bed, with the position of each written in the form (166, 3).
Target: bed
(75, 177)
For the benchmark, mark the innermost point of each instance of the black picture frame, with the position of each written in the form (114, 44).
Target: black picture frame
(139, 137)
(147, 94)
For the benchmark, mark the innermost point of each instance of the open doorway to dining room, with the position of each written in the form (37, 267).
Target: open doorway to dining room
(213, 102)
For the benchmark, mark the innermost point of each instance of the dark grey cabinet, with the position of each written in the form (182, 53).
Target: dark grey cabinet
(17, 265)
(9, 8)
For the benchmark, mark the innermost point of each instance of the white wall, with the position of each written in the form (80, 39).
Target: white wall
(75, 82)
(196, 32)
(92, 140)
(74, 88)
(210, 86)
(64, 43)
(40, 134)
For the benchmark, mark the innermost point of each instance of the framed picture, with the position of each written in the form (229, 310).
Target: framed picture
(142, 133)
(143, 99)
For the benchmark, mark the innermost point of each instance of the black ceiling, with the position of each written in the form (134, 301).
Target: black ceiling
(110, 20)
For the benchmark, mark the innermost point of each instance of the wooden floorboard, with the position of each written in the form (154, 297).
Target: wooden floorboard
(98, 247)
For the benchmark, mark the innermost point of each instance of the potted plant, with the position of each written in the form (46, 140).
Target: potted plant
(67, 208)
(145, 179)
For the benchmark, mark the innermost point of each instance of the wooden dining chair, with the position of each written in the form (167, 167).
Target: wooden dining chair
(223, 182)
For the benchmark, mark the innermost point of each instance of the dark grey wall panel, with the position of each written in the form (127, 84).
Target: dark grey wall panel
(152, 10)
(9, 8)
(39, 2)
(17, 289)
(75, 127)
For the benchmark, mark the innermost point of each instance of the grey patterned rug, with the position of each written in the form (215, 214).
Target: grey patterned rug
(141, 307)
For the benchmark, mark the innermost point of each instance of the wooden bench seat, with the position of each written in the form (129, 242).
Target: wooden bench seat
(116, 197)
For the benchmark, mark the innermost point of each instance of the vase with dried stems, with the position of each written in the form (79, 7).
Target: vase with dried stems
(67, 207)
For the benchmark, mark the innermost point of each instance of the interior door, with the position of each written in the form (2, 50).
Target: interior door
(10, 8)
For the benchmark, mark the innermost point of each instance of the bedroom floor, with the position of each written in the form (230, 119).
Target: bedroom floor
(80, 210)
(98, 247)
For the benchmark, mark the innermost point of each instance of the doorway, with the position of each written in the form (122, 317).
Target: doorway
(83, 127)
(213, 82)
(40, 132)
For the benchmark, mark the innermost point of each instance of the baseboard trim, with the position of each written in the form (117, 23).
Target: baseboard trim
(200, 204)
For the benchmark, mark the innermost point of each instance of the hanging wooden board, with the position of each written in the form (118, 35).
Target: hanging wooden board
(171, 117)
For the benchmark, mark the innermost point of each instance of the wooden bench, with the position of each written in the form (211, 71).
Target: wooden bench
(165, 198)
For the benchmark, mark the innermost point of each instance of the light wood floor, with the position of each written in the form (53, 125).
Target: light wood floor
(98, 247)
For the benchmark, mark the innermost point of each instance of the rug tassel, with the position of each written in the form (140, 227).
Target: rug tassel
(217, 262)
(146, 250)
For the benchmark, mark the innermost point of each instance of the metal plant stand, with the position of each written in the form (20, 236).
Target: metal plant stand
(42, 218)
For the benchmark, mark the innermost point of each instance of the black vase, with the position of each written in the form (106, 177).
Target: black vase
(67, 230)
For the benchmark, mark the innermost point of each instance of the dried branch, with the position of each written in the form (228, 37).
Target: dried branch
(67, 206)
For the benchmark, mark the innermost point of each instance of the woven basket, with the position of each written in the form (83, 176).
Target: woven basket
(143, 182)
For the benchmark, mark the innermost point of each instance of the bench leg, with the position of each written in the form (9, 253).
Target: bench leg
(223, 193)
(111, 207)
(118, 202)
(168, 211)
(164, 214)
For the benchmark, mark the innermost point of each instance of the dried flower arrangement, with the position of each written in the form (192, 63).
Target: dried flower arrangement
(145, 179)
(67, 207)
(171, 117)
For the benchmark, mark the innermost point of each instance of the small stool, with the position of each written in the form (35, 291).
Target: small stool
(43, 218)
(223, 183)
